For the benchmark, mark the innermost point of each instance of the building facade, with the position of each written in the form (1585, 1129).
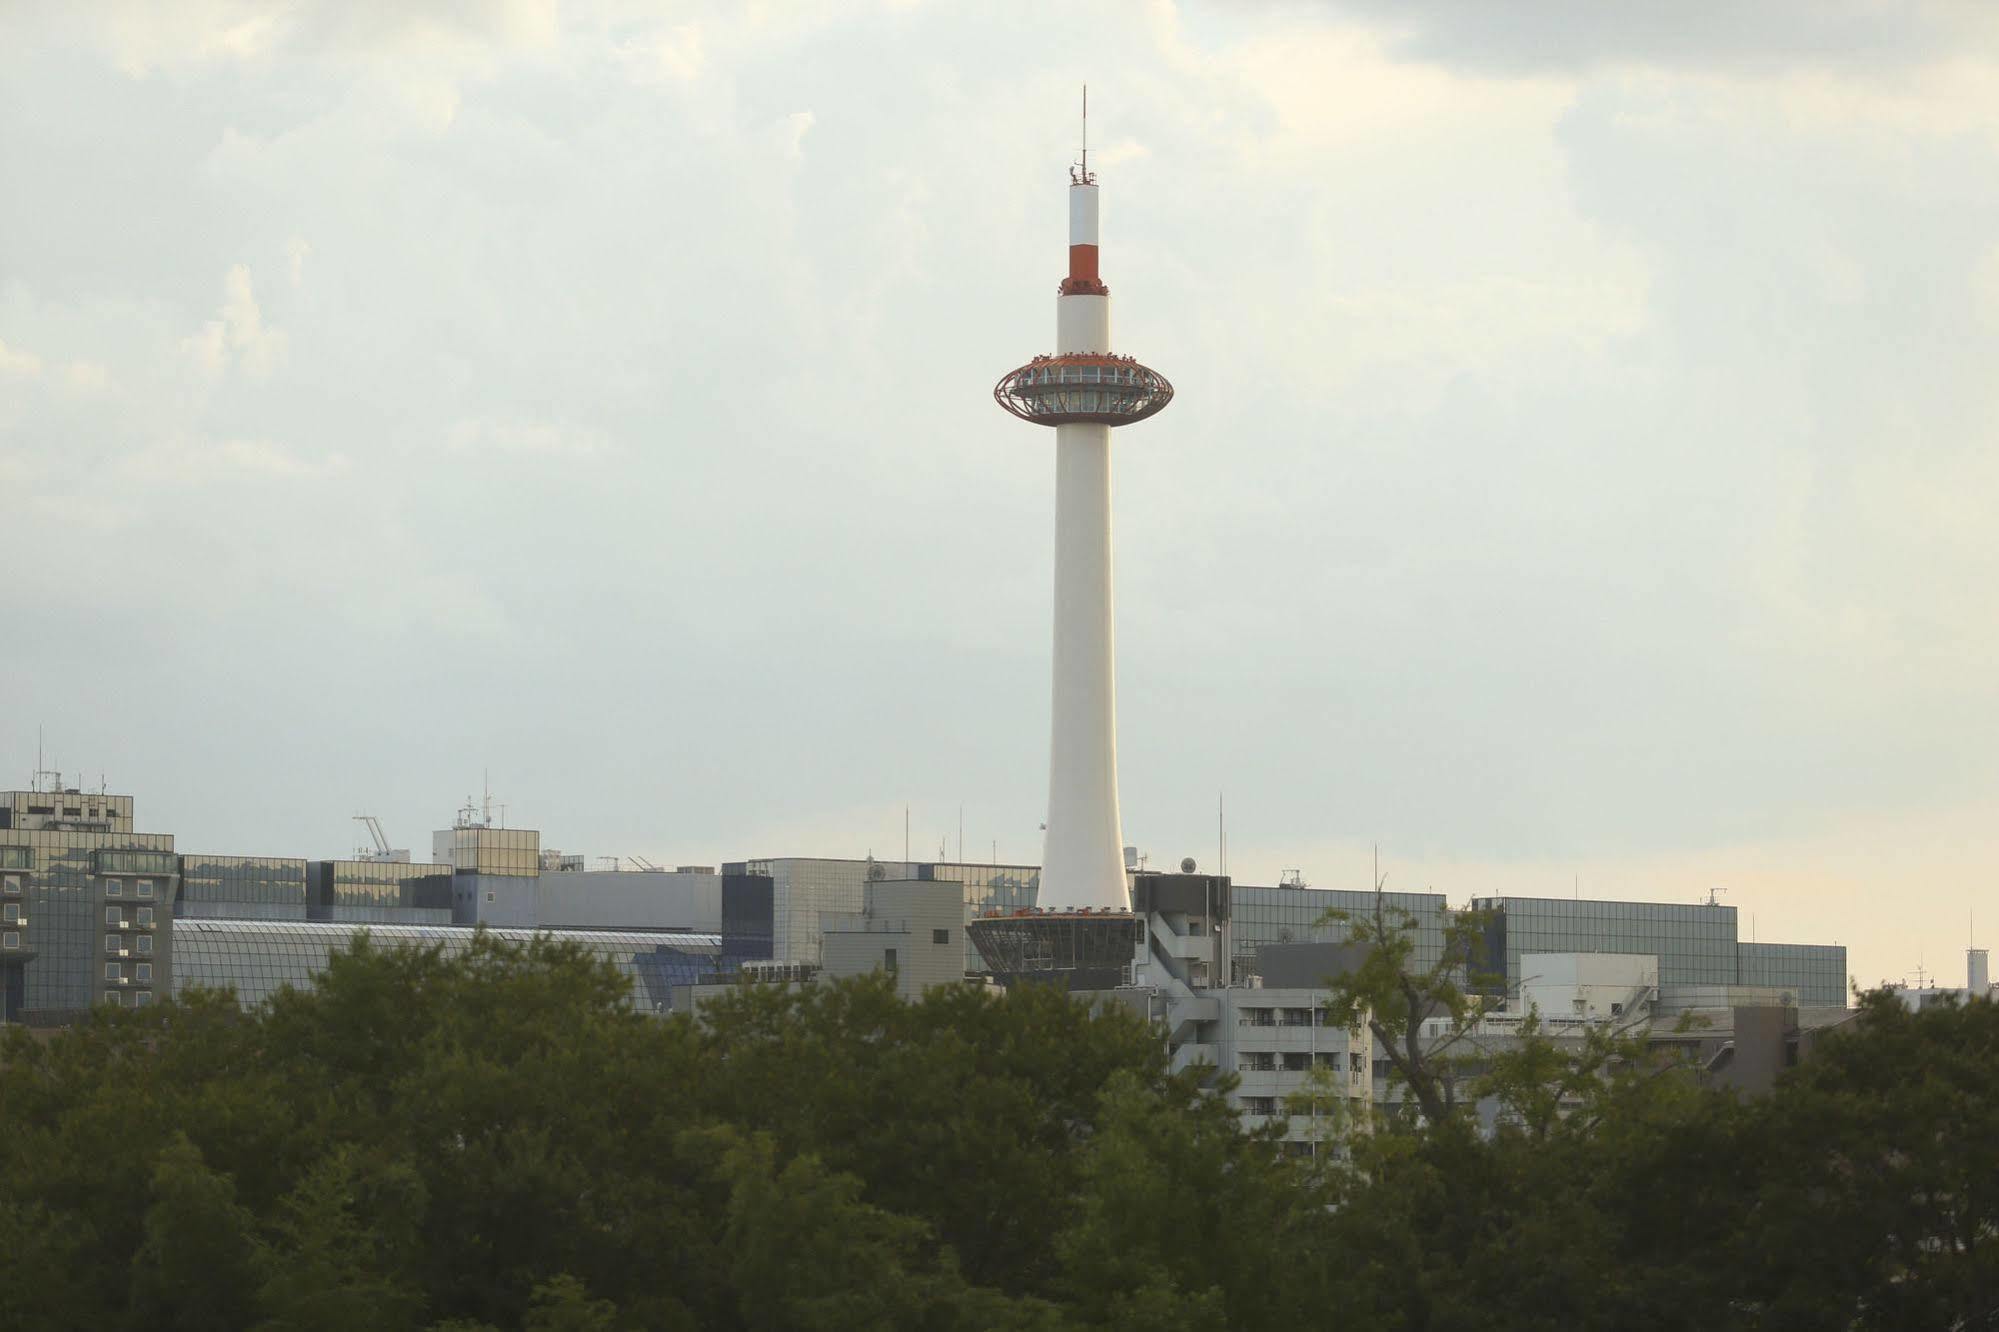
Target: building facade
(243, 888)
(912, 929)
(257, 958)
(85, 904)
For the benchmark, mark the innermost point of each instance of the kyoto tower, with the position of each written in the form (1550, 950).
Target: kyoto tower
(1083, 390)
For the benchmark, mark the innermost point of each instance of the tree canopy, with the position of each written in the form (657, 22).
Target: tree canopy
(496, 1140)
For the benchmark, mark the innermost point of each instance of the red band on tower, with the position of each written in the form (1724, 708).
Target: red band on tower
(1082, 279)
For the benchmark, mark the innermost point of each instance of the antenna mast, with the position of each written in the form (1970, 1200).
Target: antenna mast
(1086, 132)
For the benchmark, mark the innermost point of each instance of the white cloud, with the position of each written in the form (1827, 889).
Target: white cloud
(791, 134)
(237, 336)
(86, 377)
(1603, 433)
(525, 437)
(193, 461)
(19, 364)
(297, 251)
(674, 54)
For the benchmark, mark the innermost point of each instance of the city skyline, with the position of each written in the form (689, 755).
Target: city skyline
(595, 397)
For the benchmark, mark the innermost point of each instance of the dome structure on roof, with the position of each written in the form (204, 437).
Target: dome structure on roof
(1078, 387)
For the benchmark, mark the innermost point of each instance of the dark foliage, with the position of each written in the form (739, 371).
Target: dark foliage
(494, 1141)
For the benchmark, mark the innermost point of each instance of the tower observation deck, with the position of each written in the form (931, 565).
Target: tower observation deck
(1083, 391)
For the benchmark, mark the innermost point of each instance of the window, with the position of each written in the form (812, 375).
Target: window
(142, 971)
(940, 936)
(113, 919)
(145, 942)
(11, 883)
(114, 971)
(113, 944)
(145, 918)
(11, 912)
(489, 896)
(1259, 1105)
(114, 888)
(144, 888)
(11, 939)
(111, 998)
(140, 998)
(889, 964)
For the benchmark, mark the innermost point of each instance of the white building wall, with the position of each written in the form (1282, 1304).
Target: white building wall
(1587, 985)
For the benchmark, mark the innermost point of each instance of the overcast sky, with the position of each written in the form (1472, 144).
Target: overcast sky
(1582, 475)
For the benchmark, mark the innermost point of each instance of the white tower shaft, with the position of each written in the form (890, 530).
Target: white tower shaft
(1082, 863)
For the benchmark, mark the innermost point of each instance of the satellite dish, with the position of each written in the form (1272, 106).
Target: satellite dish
(876, 871)
(1186, 864)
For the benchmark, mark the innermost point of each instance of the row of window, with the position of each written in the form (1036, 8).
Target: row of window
(142, 972)
(11, 885)
(1282, 1017)
(140, 998)
(1296, 1061)
(142, 944)
(115, 918)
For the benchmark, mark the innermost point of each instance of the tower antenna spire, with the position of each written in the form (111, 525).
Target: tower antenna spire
(1086, 134)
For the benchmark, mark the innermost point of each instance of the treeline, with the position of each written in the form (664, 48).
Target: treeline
(495, 1140)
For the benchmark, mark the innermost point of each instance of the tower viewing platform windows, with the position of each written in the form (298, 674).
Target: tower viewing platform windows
(1083, 386)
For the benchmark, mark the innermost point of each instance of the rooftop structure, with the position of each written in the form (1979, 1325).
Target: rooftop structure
(1083, 391)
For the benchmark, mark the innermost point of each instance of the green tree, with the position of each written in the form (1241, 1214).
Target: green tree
(194, 1268)
(1421, 1017)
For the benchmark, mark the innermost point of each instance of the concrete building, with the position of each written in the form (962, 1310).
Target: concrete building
(1696, 943)
(803, 890)
(1083, 391)
(1977, 985)
(580, 899)
(85, 903)
(913, 929)
(1591, 986)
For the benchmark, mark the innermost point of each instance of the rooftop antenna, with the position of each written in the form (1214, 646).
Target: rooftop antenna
(1221, 834)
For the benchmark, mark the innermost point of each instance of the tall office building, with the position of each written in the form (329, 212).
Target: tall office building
(84, 903)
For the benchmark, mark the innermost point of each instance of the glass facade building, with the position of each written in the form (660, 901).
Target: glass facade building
(803, 887)
(258, 958)
(242, 888)
(987, 888)
(1287, 914)
(1814, 973)
(84, 906)
(1695, 943)
(480, 849)
(379, 892)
